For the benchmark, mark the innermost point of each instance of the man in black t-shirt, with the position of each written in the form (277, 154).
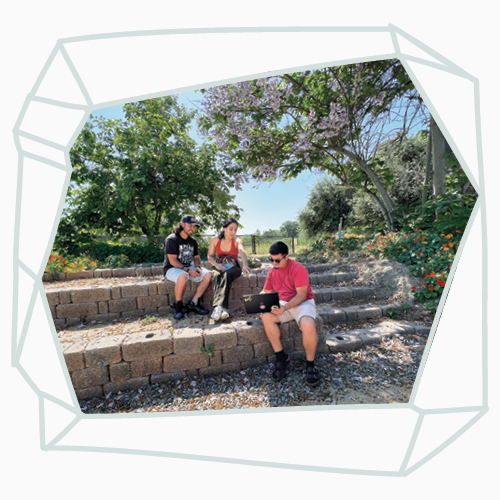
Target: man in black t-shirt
(183, 263)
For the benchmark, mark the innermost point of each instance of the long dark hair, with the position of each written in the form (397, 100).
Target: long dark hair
(227, 222)
(178, 229)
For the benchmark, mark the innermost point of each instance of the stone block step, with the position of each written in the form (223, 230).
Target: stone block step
(322, 295)
(331, 278)
(73, 305)
(358, 338)
(157, 270)
(332, 314)
(120, 363)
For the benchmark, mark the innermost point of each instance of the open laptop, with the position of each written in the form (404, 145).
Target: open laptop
(257, 303)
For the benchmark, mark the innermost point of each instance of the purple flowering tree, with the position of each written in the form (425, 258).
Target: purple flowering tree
(330, 119)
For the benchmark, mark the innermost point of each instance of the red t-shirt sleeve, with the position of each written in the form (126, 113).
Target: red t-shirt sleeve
(268, 285)
(301, 277)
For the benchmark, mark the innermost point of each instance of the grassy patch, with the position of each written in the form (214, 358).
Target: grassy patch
(149, 319)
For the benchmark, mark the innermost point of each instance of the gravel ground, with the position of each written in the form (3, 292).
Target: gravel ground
(377, 374)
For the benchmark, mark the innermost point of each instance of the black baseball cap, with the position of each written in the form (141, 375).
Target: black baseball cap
(190, 219)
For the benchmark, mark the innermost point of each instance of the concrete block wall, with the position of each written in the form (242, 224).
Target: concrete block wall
(112, 364)
(127, 272)
(123, 272)
(112, 302)
(107, 303)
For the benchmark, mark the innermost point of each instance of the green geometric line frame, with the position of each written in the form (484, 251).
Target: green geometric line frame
(24, 330)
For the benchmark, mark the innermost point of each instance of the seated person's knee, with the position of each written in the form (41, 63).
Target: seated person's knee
(182, 278)
(266, 317)
(307, 322)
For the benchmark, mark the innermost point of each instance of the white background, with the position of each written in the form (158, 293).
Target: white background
(29, 33)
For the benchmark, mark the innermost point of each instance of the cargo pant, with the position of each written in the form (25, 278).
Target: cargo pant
(221, 283)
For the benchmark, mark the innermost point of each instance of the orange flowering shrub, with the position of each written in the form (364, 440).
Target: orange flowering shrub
(69, 264)
(428, 255)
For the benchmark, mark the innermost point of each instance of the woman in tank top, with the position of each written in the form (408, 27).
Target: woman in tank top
(225, 244)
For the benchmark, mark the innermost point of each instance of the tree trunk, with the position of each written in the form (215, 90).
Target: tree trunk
(385, 203)
(146, 232)
(428, 169)
(439, 160)
(385, 213)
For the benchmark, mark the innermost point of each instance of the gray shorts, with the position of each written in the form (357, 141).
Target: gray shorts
(306, 308)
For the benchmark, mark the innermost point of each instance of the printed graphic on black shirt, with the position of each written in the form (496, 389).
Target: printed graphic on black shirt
(185, 254)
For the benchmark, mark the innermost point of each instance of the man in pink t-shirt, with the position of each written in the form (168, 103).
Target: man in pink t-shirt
(291, 280)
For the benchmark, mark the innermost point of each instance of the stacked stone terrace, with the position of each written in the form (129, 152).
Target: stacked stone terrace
(122, 362)
(107, 303)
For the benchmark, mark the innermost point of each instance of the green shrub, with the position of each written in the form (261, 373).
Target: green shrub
(203, 244)
(393, 313)
(341, 246)
(124, 254)
(447, 213)
(116, 261)
(423, 252)
(137, 253)
(428, 254)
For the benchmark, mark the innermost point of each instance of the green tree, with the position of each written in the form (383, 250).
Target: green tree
(408, 161)
(271, 232)
(405, 159)
(328, 202)
(138, 175)
(290, 228)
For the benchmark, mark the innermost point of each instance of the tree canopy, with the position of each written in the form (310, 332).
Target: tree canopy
(332, 119)
(290, 228)
(140, 174)
(405, 160)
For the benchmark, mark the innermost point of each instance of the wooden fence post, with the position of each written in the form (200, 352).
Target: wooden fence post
(254, 248)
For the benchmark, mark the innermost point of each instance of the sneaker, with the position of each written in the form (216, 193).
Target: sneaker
(178, 308)
(217, 313)
(196, 308)
(224, 314)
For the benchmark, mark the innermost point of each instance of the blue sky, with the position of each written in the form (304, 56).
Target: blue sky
(262, 205)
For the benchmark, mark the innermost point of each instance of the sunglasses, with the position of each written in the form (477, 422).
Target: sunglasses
(276, 260)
